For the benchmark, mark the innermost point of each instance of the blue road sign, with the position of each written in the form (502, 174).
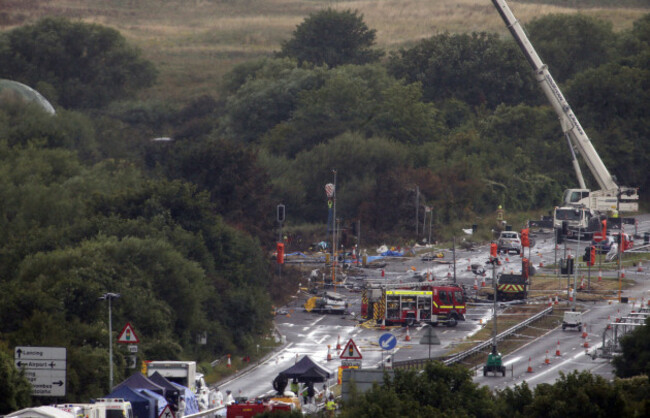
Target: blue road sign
(387, 341)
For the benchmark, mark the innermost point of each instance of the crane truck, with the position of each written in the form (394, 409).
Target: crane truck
(579, 205)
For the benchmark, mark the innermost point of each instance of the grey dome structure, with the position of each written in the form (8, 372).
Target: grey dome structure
(12, 90)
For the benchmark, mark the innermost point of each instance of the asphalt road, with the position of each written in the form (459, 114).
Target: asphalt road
(310, 333)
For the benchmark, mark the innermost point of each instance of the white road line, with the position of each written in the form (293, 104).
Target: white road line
(569, 360)
(509, 362)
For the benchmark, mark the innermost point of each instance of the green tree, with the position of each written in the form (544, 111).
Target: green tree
(437, 391)
(331, 37)
(15, 390)
(477, 68)
(635, 359)
(571, 43)
(88, 65)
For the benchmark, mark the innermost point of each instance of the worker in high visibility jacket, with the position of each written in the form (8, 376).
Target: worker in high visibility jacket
(330, 406)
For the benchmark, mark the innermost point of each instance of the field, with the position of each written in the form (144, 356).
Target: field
(194, 42)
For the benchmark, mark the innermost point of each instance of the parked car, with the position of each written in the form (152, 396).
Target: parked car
(509, 241)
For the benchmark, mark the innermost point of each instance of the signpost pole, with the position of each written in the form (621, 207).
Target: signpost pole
(110, 346)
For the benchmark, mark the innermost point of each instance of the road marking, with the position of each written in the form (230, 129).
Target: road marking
(574, 357)
(509, 362)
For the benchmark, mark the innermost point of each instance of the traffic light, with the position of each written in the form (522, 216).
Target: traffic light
(280, 213)
(565, 228)
(559, 238)
(587, 257)
(525, 240)
(280, 253)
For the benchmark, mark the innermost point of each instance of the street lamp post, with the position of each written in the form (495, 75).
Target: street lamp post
(109, 297)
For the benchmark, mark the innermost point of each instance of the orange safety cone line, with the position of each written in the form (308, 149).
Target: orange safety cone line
(408, 335)
(556, 299)
(329, 354)
(475, 283)
(547, 360)
(383, 323)
(338, 342)
(483, 280)
(557, 351)
(600, 275)
(584, 332)
(530, 368)
(550, 301)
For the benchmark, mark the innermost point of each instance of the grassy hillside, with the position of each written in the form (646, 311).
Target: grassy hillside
(194, 42)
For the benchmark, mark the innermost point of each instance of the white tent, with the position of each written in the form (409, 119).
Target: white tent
(40, 412)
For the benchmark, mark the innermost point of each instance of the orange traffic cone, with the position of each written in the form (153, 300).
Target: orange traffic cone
(584, 332)
(408, 335)
(556, 299)
(530, 368)
(469, 265)
(640, 267)
(582, 283)
(338, 342)
(475, 283)
(383, 324)
(550, 301)
(541, 263)
(483, 280)
(507, 259)
(557, 350)
(600, 275)
(383, 273)
(547, 360)
(228, 364)
(622, 273)
(329, 354)
(586, 344)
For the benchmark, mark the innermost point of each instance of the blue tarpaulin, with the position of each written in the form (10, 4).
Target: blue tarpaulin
(161, 402)
(191, 404)
(390, 253)
(143, 407)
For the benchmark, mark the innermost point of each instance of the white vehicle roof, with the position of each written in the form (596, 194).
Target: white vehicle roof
(41, 412)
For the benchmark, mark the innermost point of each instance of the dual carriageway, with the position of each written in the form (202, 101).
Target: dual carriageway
(304, 333)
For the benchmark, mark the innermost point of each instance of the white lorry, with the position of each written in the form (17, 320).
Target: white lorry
(611, 196)
(184, 373)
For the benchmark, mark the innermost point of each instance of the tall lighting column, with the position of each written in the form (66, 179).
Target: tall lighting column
(109, 297)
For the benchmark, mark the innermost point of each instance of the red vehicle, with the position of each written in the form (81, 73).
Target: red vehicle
(423, 304)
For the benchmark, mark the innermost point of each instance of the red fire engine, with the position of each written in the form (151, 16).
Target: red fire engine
(418, 303)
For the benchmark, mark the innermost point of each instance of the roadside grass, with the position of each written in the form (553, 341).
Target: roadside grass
(194, 43)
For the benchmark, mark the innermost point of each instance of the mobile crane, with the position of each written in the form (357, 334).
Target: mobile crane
(582, 204)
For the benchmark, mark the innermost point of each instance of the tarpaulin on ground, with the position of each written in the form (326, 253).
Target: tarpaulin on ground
(391, 253)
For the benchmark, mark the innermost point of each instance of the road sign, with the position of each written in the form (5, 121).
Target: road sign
(40, 353)
(351, 363)
(166, 413)
(429, 336)
(351, 351)
(127, 336)
(387, 341)
(133, 348)
(45, 369)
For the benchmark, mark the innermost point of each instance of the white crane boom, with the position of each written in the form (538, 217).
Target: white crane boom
(611, 195)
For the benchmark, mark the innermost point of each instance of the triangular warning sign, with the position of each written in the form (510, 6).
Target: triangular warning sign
(166, 413)
(351, 351)
(127, 336)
